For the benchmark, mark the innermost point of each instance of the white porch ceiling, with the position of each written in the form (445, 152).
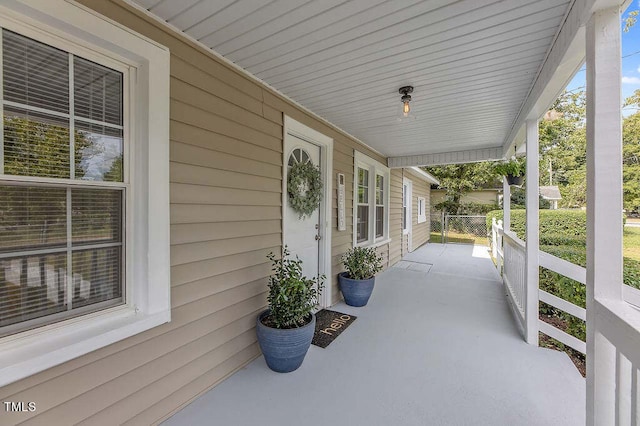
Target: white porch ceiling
(472, 62)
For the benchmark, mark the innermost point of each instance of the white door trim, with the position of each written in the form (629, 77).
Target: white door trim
(409, 231)
(299, 130)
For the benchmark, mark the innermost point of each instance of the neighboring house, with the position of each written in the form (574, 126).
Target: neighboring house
(479, 196)
(551, 194)
(143, 176)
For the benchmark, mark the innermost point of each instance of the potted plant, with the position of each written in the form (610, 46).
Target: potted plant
(356, 283)
(286, 328)
(514, 170)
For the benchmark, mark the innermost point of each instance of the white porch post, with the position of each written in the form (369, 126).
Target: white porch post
(532, 240)
(506, 205)
(604, 205)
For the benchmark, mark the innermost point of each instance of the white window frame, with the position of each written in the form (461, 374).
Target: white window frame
(375, 168)
(422, 206)
(384, 204)
(79, 30)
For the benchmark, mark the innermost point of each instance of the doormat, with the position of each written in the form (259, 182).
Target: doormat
(329, 325)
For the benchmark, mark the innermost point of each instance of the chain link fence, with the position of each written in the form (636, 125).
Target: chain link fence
(464, 229)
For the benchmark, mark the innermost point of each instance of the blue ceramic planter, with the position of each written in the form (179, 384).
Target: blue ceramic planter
(284, 349)
(355, 292)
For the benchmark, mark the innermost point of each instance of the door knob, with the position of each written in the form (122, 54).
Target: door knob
(318, 237)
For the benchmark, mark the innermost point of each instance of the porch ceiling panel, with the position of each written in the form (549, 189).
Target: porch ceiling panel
(472, 62)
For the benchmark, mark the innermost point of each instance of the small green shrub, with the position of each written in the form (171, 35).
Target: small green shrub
(477, 208)
(292, 296)
(563, 234)
(552, 222)
(562, 240)
(362, 263)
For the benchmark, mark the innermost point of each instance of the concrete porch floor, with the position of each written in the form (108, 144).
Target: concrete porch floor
(430, 348)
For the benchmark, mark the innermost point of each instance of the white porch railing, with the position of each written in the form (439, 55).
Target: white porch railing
(510, 251)
(514, 273)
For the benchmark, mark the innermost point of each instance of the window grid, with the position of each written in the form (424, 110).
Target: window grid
(362, 205)
(70, 184)
(404, 206)
(379, 210)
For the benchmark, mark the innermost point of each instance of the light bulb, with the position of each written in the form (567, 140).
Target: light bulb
(406, 109)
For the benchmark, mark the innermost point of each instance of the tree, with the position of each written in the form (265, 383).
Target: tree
(563, 142)
(631, 155)
(459, 179)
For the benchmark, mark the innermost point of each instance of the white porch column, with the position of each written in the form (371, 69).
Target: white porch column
(533, 233)
(506, 205)
(604, 204)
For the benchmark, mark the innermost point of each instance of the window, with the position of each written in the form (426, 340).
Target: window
(61, 242)
(75, 116)
(405, 202)
(371, 188)
(363, 205)
(422, 215)
(379, 206)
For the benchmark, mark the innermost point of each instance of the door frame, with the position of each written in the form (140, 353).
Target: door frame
(295, 128)
(409, 231)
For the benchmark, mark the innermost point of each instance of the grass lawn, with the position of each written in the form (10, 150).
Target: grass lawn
(631, 242)
(455, 237)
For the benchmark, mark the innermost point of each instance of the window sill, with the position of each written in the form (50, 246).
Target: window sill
(375, 244)
(33, 351)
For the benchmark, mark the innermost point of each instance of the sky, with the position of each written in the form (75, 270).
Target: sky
(630, 61)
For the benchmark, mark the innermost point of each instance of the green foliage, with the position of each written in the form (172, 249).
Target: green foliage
(362, 263)
(563, 148)
(292, 296)
(304, 186)
(630, 20)
(513, 167)
(631, 156)
(563, 234)
(519, 199)
(552, 222)
(477, 208)
(460, 179)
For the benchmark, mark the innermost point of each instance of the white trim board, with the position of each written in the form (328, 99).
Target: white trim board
(374, 168)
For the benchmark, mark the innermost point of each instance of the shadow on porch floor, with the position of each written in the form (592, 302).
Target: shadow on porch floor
(430, 348)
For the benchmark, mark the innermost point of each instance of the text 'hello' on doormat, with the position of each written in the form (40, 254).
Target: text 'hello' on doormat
(329, 325)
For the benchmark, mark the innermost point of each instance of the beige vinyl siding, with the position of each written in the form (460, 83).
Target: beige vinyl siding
(395, 216)
(226, 184)
(421, 188)
(420, 232)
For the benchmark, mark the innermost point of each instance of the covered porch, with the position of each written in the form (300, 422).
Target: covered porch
(436, 347)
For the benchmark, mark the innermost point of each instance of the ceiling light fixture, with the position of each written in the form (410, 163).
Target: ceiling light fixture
(406, 98)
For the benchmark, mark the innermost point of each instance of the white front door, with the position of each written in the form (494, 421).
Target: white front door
(302, 236)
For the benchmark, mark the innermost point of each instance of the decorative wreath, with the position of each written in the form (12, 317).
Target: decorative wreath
(304, 185)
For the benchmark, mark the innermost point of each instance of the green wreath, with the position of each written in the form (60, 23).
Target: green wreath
(304, 186)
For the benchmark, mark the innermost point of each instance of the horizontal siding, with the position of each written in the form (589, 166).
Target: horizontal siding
(420, 188)
(395, 216)
(225, 194)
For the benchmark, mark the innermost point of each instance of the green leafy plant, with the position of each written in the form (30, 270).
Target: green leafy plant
(292, 296)
(362, 263)
(304, 186)
(514, 167)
